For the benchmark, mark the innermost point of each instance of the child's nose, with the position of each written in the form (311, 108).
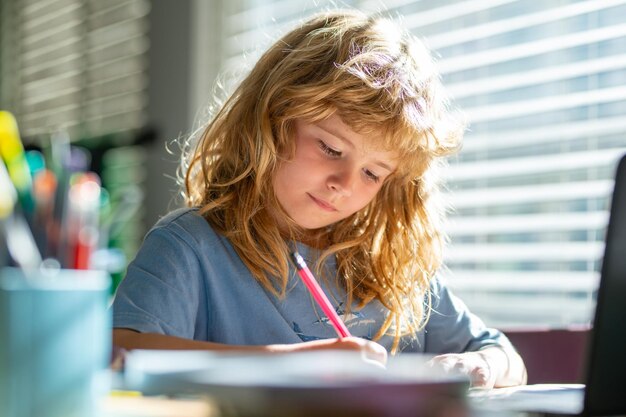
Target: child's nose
(342, 182)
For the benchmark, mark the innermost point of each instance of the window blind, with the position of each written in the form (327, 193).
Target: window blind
(542, 84)
(543, 87)
(78, 65)
(252, 26)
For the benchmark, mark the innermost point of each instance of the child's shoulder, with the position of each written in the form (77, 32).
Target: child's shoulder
(180, 215)
(185, 222)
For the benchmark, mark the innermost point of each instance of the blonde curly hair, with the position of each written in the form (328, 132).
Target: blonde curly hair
(378, 79)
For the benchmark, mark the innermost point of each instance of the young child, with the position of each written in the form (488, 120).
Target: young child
(331, 147)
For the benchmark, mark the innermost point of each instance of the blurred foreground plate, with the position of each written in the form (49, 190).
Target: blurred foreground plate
(328, 383)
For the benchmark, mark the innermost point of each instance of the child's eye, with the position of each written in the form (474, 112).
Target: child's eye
(371, 175)
(328, 150)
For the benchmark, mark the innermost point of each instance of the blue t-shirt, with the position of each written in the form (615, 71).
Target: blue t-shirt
(188, 281)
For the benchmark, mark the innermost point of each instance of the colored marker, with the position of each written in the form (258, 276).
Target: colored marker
(36, 162)
(12, 153)
(20, 244)
(319, 296)
(44, 189)
(83, 213)
(8, 196)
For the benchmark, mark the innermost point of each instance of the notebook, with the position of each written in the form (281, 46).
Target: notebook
(304, 384)
(604, 391)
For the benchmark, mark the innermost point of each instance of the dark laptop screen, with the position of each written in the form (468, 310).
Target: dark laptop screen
(606, 373)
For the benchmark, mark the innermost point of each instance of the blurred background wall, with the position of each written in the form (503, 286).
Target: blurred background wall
(543, 85)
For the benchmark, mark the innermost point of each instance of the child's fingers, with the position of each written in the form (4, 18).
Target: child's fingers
(470, 364)
(375, 352)
(371, 351)
(480, 377)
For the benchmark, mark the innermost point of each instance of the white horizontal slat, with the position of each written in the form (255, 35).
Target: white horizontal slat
(543, 75)
(49, 102)
(35, 8)
(534, 252)
(118, 31)
(132, 10)
(100, 51)
(53, 84)
(47, 24)
(506, 110)
(51, 98)
(534, 164)
(558, 132)
(41, 121)
(114, 85)
(249, 19)
(508, 299)
(42, 69)
(507, 311)
(528, 49)
(42, 75)
(42, 45)
(116, 68)
(526, 223)
(449, 12)
(114, 104)
(523, 21)
(522, 281)
(100, 7)
(544, 193)
(55, 50)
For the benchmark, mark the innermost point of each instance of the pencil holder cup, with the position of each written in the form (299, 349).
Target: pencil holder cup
(54, 342)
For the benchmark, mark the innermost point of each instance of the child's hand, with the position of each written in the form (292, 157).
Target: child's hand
(473, 364)
(371, 351)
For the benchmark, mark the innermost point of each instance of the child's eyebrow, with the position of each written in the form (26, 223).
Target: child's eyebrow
(336, 134)
(339, 136)
(383, 165)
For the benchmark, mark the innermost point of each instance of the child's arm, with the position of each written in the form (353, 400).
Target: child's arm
(489, 367)
(130, 339)
(482, 353)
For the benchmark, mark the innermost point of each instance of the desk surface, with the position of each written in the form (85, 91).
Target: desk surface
(140, 406)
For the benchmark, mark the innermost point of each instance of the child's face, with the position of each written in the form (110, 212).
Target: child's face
(335, 172)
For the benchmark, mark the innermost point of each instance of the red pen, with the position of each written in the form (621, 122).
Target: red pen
(318, 294)
(83, 211)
